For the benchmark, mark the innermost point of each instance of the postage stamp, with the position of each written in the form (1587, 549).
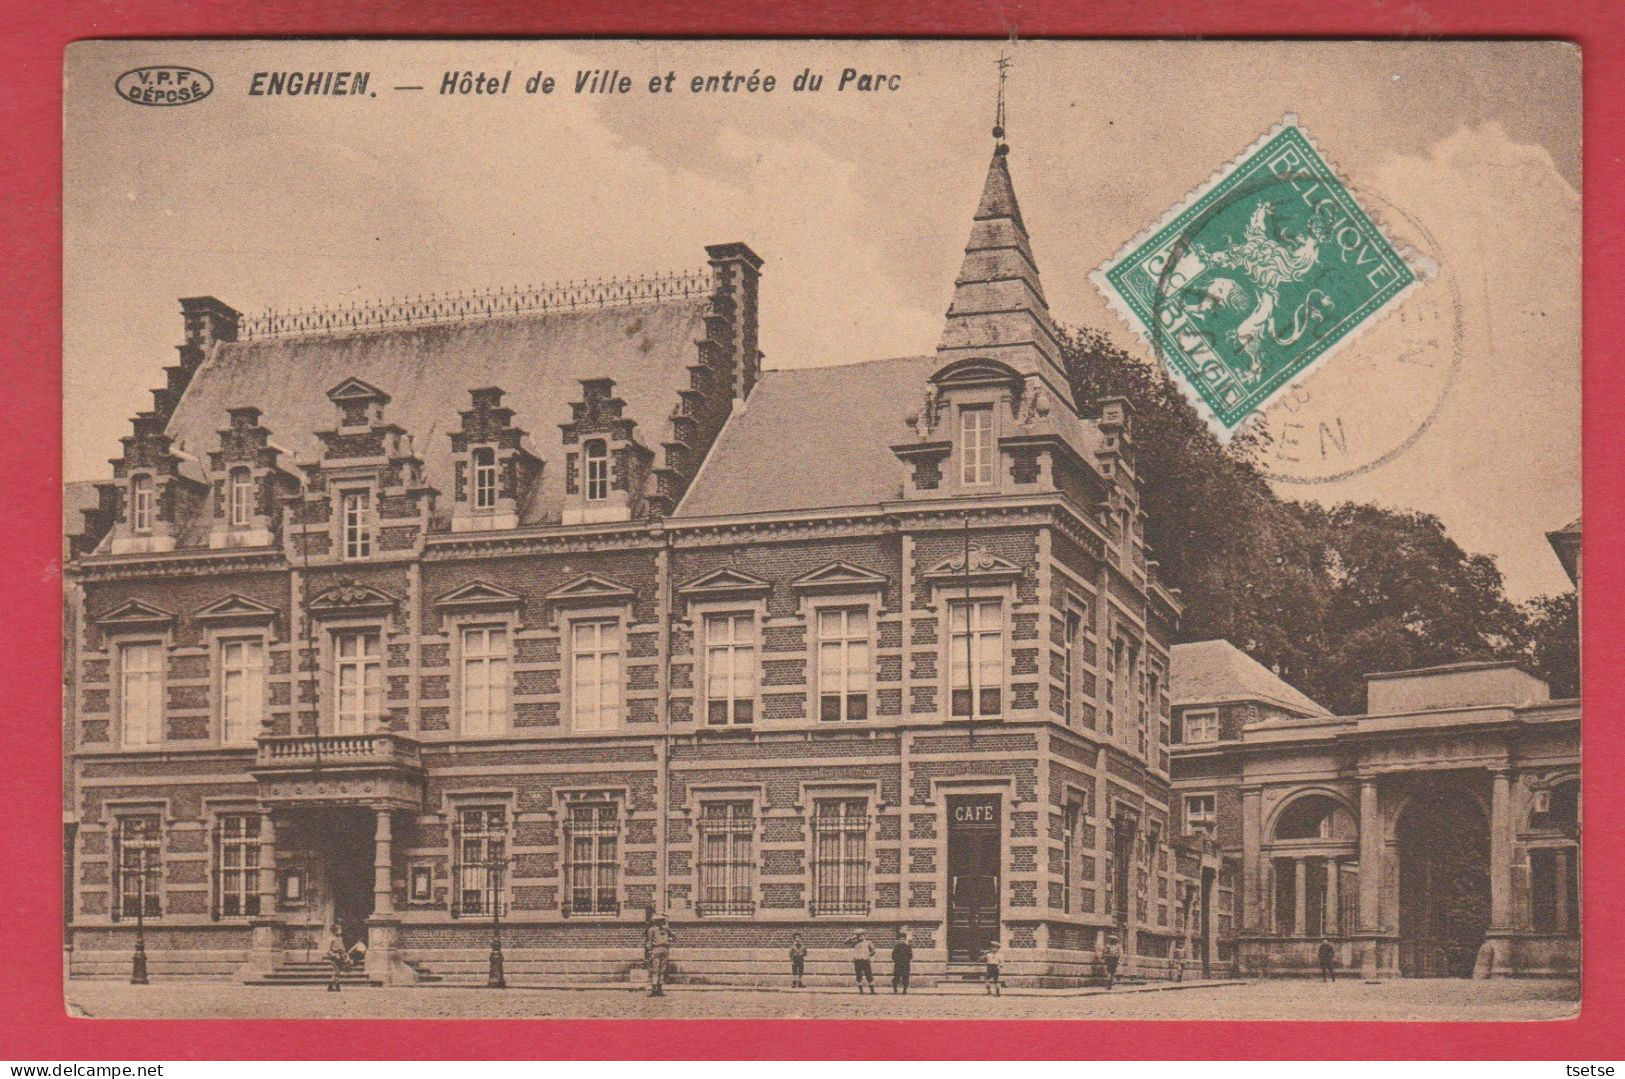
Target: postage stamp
(1259, 274)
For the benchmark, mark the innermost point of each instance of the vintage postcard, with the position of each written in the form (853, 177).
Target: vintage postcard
(624, 529)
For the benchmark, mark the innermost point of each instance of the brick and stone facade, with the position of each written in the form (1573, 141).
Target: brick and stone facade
(581, 615)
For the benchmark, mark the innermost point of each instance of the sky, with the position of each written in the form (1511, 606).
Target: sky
(860, 204)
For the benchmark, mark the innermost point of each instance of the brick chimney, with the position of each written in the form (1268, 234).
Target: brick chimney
(736, 271)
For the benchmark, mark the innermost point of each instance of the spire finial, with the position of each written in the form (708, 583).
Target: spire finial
(998, 113)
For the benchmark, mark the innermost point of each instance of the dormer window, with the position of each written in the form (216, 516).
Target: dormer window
(357, 536)
(976, 446)
(597, 454)
(485, 478)
(240, 497)
(141, 504)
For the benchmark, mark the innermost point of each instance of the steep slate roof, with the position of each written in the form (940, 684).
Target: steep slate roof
(77, 495)
(812, 438)
(1208, 672)
(539, 361)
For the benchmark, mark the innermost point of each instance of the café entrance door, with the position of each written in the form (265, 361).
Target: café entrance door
(973, 875)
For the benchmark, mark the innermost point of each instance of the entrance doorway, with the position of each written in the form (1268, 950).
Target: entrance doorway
(1444, 884)
(973, 875)
(339, 843)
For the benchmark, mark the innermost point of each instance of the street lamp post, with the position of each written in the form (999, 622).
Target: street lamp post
(138, 961)
(496, 978)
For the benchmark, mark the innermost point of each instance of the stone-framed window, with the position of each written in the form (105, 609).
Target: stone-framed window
(730, 668)
(840, 861)
(1200, 725)
(592, 846)
(242, 688)
(237, 865)
(355, 522)
(479, 859)
(1071, 629)
(484, 461)
(141, 504)
(597, 652)
(358, 673)
(1201, 814)
(141, 692)
(596, 455)
(976, 656)
(240, 498)
(484, 678)
(138, 869)
(976, 449)
(845, 670)
(726, 858)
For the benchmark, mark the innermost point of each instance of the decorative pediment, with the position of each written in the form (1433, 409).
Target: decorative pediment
(480, 595)
(729, 583)
(133, 614)
(977, 371)
(983, 565)
(236, 608)
(353, 389)
(591, 588)
(348, 598)
(839, 577)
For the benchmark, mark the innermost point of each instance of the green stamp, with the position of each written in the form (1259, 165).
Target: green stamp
(1262, 272)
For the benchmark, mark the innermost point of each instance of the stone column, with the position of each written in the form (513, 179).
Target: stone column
(1500, 850)
(1300, 896)
(383, 892)
(262, 948)
(1370, 920)
(267, 881)
(1560, 887)
(1252, 864)
(1332, 898)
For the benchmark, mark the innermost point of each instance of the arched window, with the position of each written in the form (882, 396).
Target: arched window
(141, 504)
(1313, 817)
(597, 470)
(241, 497)
(485, 478)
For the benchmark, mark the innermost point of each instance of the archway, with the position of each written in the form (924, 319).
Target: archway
(1444, 883)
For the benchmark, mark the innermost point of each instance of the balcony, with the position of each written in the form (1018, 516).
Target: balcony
(380, 769)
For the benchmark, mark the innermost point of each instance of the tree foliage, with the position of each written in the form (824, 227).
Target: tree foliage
(1321, 596)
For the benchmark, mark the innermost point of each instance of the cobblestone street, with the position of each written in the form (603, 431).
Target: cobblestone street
(1348, 1000)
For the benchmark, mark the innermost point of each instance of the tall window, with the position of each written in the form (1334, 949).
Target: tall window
(485, 679)
(237, 865)
(138, 866)
(592, 834)
(141, 693)
(1069, 662)
(595, 674)
(1069, 852)
(1201, 814)
(240, 497)
(727, 858)
(976, 656)
(1202, 726)
(242, 689)
(840, 856)
(843, 664)
(358, 674)
(482, 848)
(357, 534)
(730, 669)
(976, 445)
(141, 504)
(485, 478)
(597, 470)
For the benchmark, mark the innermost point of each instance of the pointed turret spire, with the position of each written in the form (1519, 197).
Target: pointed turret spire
(999, 310)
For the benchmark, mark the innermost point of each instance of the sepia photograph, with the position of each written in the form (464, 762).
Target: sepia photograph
(829, 529)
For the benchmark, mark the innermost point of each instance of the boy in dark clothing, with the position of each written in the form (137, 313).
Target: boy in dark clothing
(1328, 958)
(1111, 956)
(657, 941)
(798, 960)
(902, 958)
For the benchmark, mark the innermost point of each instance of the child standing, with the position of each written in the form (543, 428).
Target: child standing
(991, 958)
(798, 960)
(902, 958)
(863, 960)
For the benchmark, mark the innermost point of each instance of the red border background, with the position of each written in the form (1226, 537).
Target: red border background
(33, 1025)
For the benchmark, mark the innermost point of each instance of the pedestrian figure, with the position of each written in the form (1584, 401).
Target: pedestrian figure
(863, 960)
(1328, 958)
(337, 957)
(657, 952)
(798, 960)
(1178, 960)
(902, 958)
(356, 957)
(1111, 956)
